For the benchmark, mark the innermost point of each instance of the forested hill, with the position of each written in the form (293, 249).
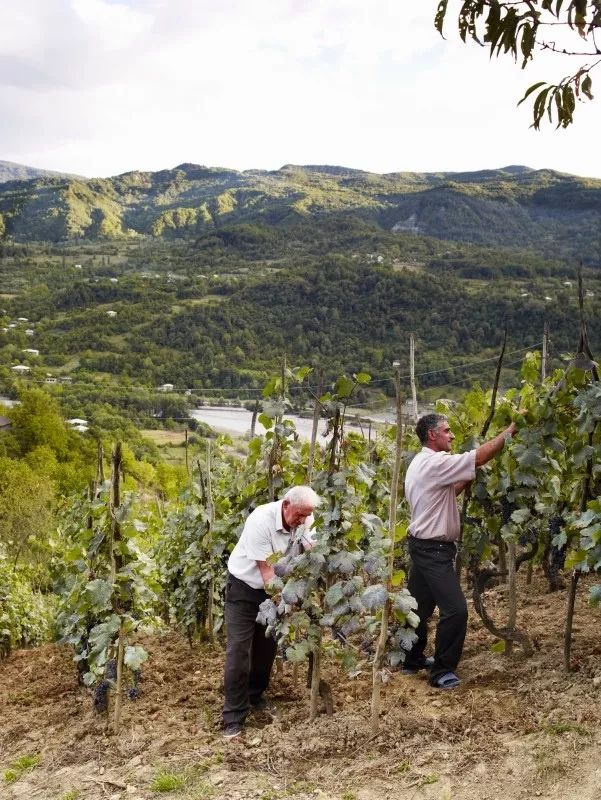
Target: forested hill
(9, 171)
(557, 214)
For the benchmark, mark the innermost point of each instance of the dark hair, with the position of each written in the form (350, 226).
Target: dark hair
(428, 422)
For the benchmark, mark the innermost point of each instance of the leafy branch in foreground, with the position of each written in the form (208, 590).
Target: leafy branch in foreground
(519, 28)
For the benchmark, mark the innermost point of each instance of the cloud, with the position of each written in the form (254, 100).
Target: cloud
(100, 87)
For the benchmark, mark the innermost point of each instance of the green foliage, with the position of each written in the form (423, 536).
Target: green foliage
(341, 582)
(26, 616)
(520, 29)
(26, 506)
(109, 583)
(20, 767)
(168, 782)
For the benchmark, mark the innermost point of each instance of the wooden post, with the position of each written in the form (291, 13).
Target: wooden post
(376, 699)
(511, 594)
(412, 373)
(544, 371)
(315, 679)
(316, 415)
(544, 364)
(100, 465)
(253, 421)
(186, 446)
(468, 492)
(211, 524)
(583, 347)
(117, 558)
(116, 567)
(274, 453)
(119, 685)
(571, 603)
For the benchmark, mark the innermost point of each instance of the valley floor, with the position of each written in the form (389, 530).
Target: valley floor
(516, 728)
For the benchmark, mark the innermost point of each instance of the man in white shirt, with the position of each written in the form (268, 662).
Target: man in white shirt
(433, 481)
(270, 528)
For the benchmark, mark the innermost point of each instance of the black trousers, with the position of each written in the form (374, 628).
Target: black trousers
(434, 582)
(249, 653)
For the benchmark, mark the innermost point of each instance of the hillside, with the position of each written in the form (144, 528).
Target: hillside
(553, 213)
(216, 314)
(516, 727)
(9, 171)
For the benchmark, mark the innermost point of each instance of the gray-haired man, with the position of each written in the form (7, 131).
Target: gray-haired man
(249, 653)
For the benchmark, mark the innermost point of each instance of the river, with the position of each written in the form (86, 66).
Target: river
(236, 421)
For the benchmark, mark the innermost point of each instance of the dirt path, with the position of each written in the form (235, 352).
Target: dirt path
(515, 728)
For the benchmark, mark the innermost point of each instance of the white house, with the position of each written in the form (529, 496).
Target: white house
(77, 421)
(22, 319)
(166, 387)
(111, 313)
(21, 369)
(29, 332)
(31, 351)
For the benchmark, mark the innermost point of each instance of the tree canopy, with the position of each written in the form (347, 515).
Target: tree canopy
(523, 28)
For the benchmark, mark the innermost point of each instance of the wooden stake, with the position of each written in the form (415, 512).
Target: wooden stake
(253, 421)
(211, 524)
(412, 373)
(511, 594)
(544, 364)
(316, 415)
(315, 680)
(119, 686)
(186, 446)
(392, 511)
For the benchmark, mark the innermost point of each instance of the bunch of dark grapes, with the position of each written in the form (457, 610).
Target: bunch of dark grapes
(487, 506)
(133, 692)
(110, 671)
(101, 696)
(529, 536)
(555, 526)
(507, 509)
(557, 556)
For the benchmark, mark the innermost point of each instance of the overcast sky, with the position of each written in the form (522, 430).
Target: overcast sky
(100, 87)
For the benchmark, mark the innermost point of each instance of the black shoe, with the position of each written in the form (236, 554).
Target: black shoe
(232, 729)
(264, 705)
(411, 670)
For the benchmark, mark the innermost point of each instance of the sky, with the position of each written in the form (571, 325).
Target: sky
(101, 87)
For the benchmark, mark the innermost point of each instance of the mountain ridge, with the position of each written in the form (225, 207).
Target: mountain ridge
(541, 209)
(12, 171)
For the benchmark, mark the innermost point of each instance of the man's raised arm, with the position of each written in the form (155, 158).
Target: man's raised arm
(490, 449)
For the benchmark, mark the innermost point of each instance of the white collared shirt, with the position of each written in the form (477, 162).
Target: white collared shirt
(263, 534)
(430, 490)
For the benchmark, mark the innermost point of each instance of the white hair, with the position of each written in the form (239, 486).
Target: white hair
(302, 496)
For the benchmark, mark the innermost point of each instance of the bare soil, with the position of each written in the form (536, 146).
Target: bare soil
(515, 728)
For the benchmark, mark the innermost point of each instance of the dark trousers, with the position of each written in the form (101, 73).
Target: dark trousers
(249, 653)
(434, 582)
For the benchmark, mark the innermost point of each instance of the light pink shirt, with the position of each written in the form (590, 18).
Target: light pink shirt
(430, 490)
